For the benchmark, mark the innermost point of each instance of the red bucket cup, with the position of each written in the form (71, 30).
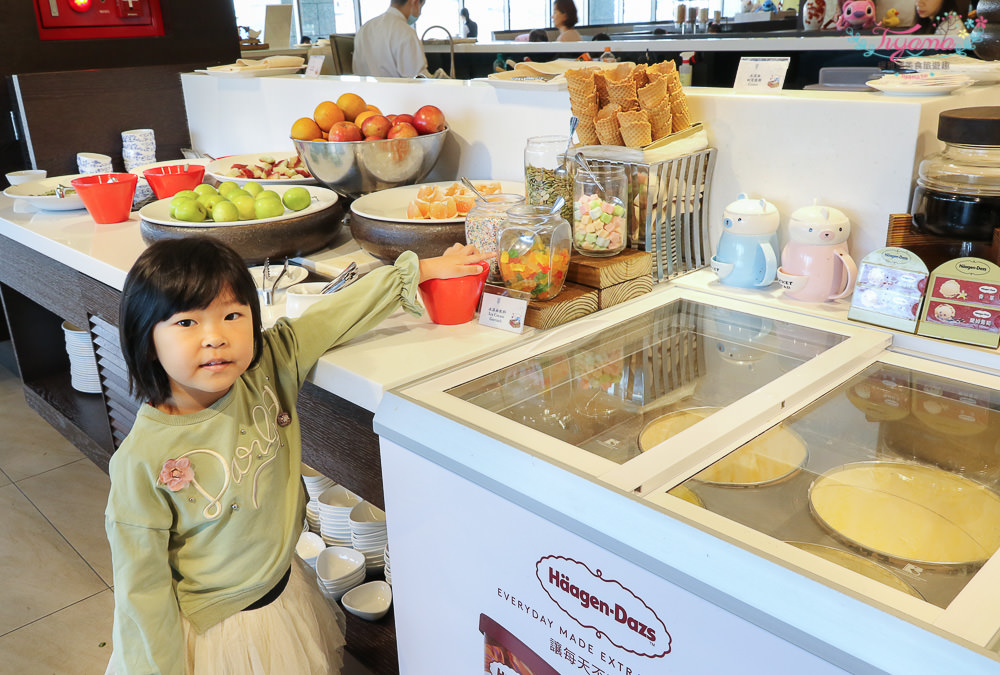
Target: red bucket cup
(453, 301)
(168, 180)
(107, 196)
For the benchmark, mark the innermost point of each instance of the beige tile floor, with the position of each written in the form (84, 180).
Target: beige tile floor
(56, 601)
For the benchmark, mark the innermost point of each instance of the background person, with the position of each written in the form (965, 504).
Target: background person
(942, 17)
(388, 45)
(468, 27)
(564, 18)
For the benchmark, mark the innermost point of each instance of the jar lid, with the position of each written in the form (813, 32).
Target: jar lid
(970, 126)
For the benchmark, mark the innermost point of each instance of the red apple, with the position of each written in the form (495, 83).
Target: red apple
(391, 118)
(428, 120)
(375, 126)
(403, 118)
(345, 131)
(402, 130)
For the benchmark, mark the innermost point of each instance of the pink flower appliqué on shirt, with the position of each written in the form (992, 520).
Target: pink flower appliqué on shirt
(176, 474)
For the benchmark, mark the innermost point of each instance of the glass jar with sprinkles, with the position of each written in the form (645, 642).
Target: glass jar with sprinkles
(482, 224)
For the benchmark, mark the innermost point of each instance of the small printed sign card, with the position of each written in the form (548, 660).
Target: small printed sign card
(889, 289)
(963, 303)
(315, 65)
(503, 308)
(761, 74)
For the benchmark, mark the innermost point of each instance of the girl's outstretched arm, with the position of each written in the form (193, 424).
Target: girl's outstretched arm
(458, 261)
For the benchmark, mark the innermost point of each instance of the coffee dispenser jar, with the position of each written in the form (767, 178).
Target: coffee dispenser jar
(958, 189)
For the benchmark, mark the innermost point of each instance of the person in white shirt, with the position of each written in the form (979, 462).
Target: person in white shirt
(388, 46)
(564, 18)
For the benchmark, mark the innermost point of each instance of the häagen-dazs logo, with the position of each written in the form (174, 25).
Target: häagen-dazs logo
(604, 605)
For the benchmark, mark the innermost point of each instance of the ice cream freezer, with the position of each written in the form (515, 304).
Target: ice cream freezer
(689, 483)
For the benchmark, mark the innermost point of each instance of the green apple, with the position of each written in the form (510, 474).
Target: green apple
(266, 194)
(268, 208)
(245, 205)
(237, 192)
(190, 211)
(177, 199)
(226, 186)
(205, 189)
(225, 212)
(296, 198)
(210, 200)
(252, 188)
(190, 194)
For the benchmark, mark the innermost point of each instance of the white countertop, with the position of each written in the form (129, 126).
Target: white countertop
(401, 349)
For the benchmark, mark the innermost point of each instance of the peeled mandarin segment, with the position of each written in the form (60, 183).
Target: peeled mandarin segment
(413, 211)
(464, 203)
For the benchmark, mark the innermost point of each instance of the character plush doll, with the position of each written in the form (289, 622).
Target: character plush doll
(891, 18)
(856, 14)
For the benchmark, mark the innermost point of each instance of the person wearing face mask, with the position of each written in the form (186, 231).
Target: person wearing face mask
(388, 46)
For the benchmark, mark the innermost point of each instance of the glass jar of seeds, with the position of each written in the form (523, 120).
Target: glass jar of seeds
(482, 224)
(544, 177)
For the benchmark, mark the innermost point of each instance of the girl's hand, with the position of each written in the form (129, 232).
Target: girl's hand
(457, 261)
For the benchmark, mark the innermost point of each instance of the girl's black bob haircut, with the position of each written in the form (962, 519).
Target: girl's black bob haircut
(171, 276)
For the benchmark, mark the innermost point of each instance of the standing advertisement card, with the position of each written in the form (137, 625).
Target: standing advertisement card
(963, 303)
(761, 74)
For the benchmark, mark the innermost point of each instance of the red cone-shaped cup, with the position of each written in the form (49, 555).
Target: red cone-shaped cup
(453, 301)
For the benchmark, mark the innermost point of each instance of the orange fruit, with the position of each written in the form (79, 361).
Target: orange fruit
(351, 105)
(429, 193)
(326, 114)
(374, 109)
(423, 206)
(413, 210)
(306, 129)
(362, 115)
(444, 209)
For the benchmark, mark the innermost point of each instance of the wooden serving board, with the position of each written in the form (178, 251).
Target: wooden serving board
(572, 302)
(603, 272)
(626, 290)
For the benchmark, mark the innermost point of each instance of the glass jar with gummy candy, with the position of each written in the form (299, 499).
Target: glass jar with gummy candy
(534, 246)
(599, 217)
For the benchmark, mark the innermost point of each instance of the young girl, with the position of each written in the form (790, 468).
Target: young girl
(206, 501)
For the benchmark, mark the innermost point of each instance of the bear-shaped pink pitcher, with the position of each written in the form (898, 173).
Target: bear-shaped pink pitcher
(815, 263)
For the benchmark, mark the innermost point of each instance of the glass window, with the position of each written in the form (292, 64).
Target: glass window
(439, 13)
(530, 15)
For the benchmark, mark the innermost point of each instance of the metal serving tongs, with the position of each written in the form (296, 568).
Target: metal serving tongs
(266, 277)
(345, 278)
(582, 162)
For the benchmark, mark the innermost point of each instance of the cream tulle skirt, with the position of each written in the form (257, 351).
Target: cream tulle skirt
(301, 632)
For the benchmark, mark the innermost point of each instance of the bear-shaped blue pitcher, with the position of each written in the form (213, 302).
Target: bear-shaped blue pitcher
(747, 253)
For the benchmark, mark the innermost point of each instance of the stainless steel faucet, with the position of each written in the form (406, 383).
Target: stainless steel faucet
(451, 45)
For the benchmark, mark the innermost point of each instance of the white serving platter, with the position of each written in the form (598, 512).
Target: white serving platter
(391, 204)
(252, 72)
(216, 169)
(34, 191)
(159, 211)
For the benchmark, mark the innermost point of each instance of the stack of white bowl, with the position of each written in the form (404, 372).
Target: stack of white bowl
(316, 483)
(388, 572)
(309, 547)
(82, 360)
(338, 570)
(335, 506)
(368, 534)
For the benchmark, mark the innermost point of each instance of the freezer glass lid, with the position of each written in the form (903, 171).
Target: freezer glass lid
(609, 393)
(893, 474)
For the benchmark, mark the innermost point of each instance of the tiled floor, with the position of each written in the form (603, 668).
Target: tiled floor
(56, 601)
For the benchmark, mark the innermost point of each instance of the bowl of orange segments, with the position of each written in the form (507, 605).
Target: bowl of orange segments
(425, 218)
(338, 155)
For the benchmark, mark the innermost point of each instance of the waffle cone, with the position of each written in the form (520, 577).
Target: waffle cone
(607, 131)
(585, 107)
(586, 132)
(654, 77)
(628, 104)
(652, 95)
(602, 88)
(619, 73)
(621, 90)
(581, 78)
(636, 135)
(639, 76)
(673, 81)
(662, 68)
(681, 118)
(608, 111)
(661, 121)
(633, 117)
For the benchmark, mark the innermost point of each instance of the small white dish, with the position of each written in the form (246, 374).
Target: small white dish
(366, 512)
(338, 496)
(25, 176)
(338, 562)
(911, 85)
(294, 275)
(251, 72)
(309, 545)
(370, 601)
(302, 296)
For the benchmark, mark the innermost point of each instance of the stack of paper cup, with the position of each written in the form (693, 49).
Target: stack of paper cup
(92, 162)
(138, 148)
(82, 360)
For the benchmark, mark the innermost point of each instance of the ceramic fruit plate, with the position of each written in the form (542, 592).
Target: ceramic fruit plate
(159, 211)
(203, 161)
(41, 194)
(219, 169)
(391, 204)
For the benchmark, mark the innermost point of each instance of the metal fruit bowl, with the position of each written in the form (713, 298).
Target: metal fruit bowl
(354, 168)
